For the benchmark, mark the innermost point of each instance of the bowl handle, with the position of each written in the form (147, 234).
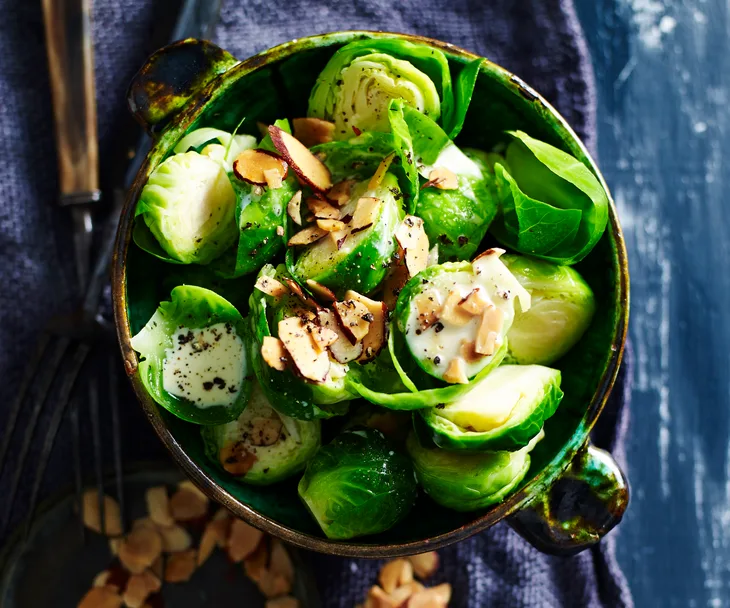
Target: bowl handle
(579, 509)
(170, 77)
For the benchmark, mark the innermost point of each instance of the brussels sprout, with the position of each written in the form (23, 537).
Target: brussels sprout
(467, 481)
(454, 317)
(291, 394)
(553, 207)
(194, 362)
(359, 261)
(562, 309)
(502, 412)
(358, 485)
(188, 205)
(357, 158)
(219, 145)
(356, 86)
(262, 446)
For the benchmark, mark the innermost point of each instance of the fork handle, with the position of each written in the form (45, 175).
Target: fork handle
(71, 66)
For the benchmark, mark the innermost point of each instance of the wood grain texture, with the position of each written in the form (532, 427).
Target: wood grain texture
(663, 75)
(71, 63)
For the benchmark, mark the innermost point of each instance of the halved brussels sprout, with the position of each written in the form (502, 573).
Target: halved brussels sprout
(356, 257)
(553, 207)
(562, 309)
(468, 481)
(454, 317)
(188, 205)
(358, 485)
(289, 391)
(218, 145)
(502, 412)
(194, 361)
(262, 446)
(356, 86)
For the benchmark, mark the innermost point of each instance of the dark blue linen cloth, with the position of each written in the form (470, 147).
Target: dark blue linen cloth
(540, 40)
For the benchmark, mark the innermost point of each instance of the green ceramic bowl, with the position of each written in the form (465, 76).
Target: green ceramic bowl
(574, 493)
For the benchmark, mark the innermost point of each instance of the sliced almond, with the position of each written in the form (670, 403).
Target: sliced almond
(101, 579)
(374, 340)
(433, 597)
(331, 225)
(180, 566)
(141, 547)
(413, 240)
(139, 588)
(475, 302)
(323, 337)
(158, 506)
(380, 172)
(251, 166)
(321, 209)
(280, 230)
(338, 238)
(308, 362)
(175, 539)
(274, 353)
(339, 194)
(274, 585)
(452, 313)
(467, 351)
(243, 540)
(443, 179)
(428, 306)
(255, 564)
(456, 372)
(354, 319)
(101, 597)
(274, 178)
(114, 544)
(425, 564)
(188, 485)
(214, 535)
(307, 236)
(158, 568)
(342, 350)
(306, 165)
(401, 594)
(313, 131)
(394, 574)
(322, 291)
(271, 286)
(487, 253)
(294, 208)
(280, 561)
(366, 213)
(489, 329)
(393, 284)
(265, 431)
(378, 598)
(236, 459)
(286, 601)
(186, 505)
(304, 297)
(92, 513)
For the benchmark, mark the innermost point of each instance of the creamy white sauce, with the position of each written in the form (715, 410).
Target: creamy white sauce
(205, 366)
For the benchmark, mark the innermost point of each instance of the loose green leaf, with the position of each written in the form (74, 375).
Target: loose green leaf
(463, 91)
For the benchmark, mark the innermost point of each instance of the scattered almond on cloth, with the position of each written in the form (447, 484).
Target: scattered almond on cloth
(159, 549)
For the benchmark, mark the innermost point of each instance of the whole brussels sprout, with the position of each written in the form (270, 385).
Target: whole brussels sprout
(358, 485)
(218, 145)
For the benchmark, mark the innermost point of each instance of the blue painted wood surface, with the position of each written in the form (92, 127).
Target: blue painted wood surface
(663, 76)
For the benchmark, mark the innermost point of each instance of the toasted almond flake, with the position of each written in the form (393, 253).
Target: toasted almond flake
(274, 353)
(304, 297)
(294, 208)
(307, 236)
(265, 431)
(433, 597)
(374, 340)
(175, 539)
(424, 564)
(180, 566)
(492, 251)
(92, 515)
(280, 561)
(394, 574)
(433, 256)
(456, 372)
(366, 213)
(308, 167)
(186, 505)
(393, 284)
(380, 599)
(402, 593)
(339, 194)
(308, 362)
(354, 319)
(322, 337)
(280, 230)
(321, 209)
(214, 535)
(322, 291)
(338, 238)
(158, 506)
(139, 588)
(475, 302)
(101, 597)
(101, 579)
(342, 350)
(273, 178)
(141, 547)
(114, 544)
(412, 238)
(428, 306)
(451, 313)
(286, 601)
(468, 352)
(380, 172)
(274, 585)
(489, 329)
(313, 131)
(251, 166)
(255, 564)
(443, 179)
(243, 540)
(158, 568)
(331, 225)
(271, 286)
(236, 459)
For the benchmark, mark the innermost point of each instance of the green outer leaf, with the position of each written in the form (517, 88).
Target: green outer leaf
(197, 308)
(267, 144)
(358, 485)
(146, 241)
(355, 158)
(428, 138)
(521, 427)
(404, 149)
(463, 90)
(467, 481)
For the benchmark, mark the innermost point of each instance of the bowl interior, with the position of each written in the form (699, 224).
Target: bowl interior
(264, 91)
